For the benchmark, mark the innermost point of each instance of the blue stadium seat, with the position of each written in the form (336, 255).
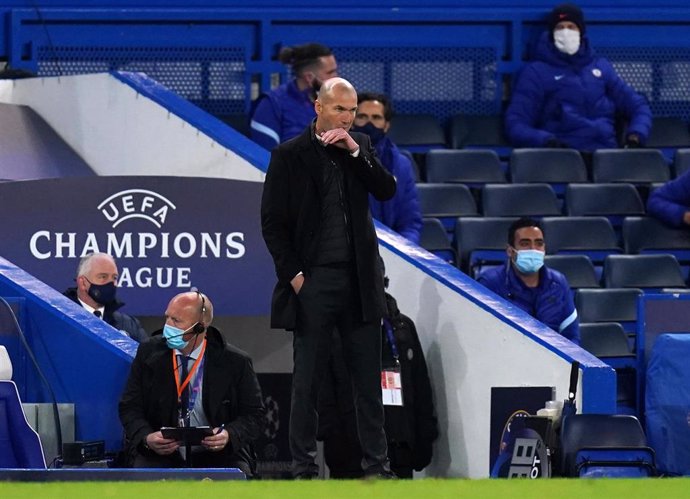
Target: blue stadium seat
(591, 236)
(481, 242)
(622, 435)
(614, 201)
(519, 200)
(647, 235)
(417, 132)
(607, 341)
(651, 273)
(557, 167)
(609, 305)
(446, 202)
(635, 166)
(434, 239)
(20, 445)
(577, 269)
(613, 443)
(470, 167)
(681, 161)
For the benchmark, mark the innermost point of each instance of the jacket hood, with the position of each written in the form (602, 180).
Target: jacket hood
(546, 51)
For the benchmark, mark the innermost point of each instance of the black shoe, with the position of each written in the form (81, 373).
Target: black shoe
(306, 475)
(381, 475)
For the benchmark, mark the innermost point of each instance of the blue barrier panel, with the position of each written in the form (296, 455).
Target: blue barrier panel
(79, 354)
(131, 475)
(657, 314)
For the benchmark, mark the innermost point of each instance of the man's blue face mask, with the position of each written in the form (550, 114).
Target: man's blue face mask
(174, 337)
(374, 133)
(529, 261)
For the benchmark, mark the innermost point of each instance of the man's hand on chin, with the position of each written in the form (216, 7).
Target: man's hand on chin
(339, 137)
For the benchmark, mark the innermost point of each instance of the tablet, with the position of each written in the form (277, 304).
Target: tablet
(193, 434)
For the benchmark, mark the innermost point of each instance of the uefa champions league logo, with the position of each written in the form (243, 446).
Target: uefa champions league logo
(136, 203)
(160, 255)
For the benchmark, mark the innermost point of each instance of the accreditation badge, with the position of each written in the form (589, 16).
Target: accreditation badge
(391, 387)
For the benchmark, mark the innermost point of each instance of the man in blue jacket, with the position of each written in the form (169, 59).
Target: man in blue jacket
(402, 213)
(569, 97)
(670, 203)
(285, 112)
(524, 281)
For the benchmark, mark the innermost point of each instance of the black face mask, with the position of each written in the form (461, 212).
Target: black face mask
(102, 293)
(374, 133)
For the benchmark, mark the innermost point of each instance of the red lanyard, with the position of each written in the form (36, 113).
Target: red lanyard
(185, 382)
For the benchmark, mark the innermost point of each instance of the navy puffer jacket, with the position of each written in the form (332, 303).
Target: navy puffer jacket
(573, 100)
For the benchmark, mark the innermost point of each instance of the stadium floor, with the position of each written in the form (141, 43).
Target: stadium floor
(428, 488)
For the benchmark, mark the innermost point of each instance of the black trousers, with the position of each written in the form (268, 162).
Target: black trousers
(329, 300)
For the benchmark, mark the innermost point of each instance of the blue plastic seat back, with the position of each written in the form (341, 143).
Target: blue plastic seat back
(620, 462)
(20, 445)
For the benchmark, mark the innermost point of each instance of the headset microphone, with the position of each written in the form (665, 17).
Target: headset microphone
(196, 329)
(199, 327)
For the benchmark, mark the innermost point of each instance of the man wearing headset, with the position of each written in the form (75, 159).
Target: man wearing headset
(187, 375)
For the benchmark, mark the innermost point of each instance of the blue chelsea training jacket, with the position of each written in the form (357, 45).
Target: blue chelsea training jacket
(551, 302)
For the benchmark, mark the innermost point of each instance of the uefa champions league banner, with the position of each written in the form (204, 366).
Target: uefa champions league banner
(167, 234)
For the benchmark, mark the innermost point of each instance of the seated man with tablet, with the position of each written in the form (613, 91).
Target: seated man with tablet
(191, 399)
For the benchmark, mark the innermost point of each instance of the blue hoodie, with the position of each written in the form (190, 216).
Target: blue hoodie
(401, 213)
(281, 114)
(574, 100)
(551, 302)
(669, 202)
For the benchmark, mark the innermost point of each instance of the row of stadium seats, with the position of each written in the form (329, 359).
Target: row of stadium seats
(450, 201)
(611, 191)
(651, 273)
(418, 132)
(480, 241)
(554, 166)
(423, 132)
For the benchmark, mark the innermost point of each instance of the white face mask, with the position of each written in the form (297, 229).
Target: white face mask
(567, 40)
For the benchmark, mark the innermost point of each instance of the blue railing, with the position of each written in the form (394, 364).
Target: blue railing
(445, 57)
